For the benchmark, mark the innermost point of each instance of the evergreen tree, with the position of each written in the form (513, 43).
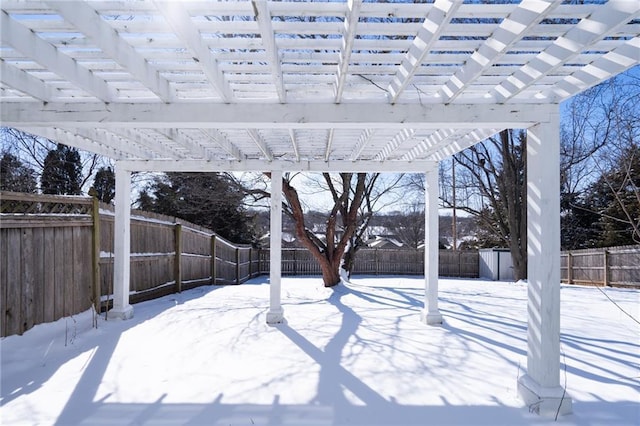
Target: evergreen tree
(615, 199)
(105, 184)
(62, 172)
(579, 223)
(15, 176)
(211, 200)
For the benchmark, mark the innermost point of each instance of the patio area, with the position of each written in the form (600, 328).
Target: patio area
(356, 355)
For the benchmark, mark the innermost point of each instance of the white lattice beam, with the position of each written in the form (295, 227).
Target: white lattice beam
(110, 139)
(263, 17)
(180, 138)
(394, 143)
(294, 144)
(182, 24)
(260, 142)
(23, 81)
(231, 149)
(462, 143)
(69, 138)
(30, 45)
(605, 20)
(603, 68)
(348, 37)
(279, 164)
(363, 140)
(433, 140)
(329, 144)
(434, 24)
(315, 116)
(146, 141)
(89, 22)
(528, 14)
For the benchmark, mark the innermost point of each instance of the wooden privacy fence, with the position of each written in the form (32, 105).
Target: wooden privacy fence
(46, 255)
(170, 255)
(299, 261)
(613, 266)
(56, 258)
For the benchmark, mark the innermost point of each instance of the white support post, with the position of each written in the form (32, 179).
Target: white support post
(276, 313)
(430, 314)
(121, 247)
(540, 386)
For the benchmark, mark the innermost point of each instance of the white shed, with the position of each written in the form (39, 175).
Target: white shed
(496, 264)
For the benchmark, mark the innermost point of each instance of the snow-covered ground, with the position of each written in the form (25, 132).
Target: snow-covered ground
(356, 355)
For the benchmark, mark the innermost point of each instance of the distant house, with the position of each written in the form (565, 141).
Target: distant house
(384, 242)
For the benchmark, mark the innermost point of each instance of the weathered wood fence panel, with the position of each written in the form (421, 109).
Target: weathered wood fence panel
(613, 266)
(298, 261)
(45, 259)
(47, 254)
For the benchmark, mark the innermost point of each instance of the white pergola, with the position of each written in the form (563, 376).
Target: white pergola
(319, 86)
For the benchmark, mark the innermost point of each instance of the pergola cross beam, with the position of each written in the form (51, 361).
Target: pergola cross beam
(263, 17)
(528, 14)
(85, 18)
(434, 24)
(29, 44)
(349, 32)
(602, 22)
(178, 18)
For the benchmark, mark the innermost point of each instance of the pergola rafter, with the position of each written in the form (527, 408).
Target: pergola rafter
(348, 37)
(607, 66)
(511, 29)
(224, 143)
(25, 82)
(30, 45)
(304, 86)
(263, 16)
(178, 18)
(578, 38)
(107, 39)
(433, 26)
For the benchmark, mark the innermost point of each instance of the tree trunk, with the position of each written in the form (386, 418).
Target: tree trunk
(330, 273)
(329, 255)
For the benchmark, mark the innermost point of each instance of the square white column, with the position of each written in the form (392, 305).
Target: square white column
(275, 315)
(121, 246)
(540, 386)
(430, 314)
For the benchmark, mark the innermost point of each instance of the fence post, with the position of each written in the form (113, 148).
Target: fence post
(95, 258)
(177, 263)
(375, 258)
(237, 265)
(606, 267)
(295, 262)
(569, 268)
(213, 259)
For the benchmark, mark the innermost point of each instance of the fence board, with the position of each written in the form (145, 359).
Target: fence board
(38, 275)
(14, 287)
(27, 312)
(58, 272)
(49, 274)
(4, 284)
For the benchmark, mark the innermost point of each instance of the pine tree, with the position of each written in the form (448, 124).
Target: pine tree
(15, 176)
(62, 172)
(211, 200)
(105, 184)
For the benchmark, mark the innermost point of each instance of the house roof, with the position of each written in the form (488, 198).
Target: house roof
(299, 85)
